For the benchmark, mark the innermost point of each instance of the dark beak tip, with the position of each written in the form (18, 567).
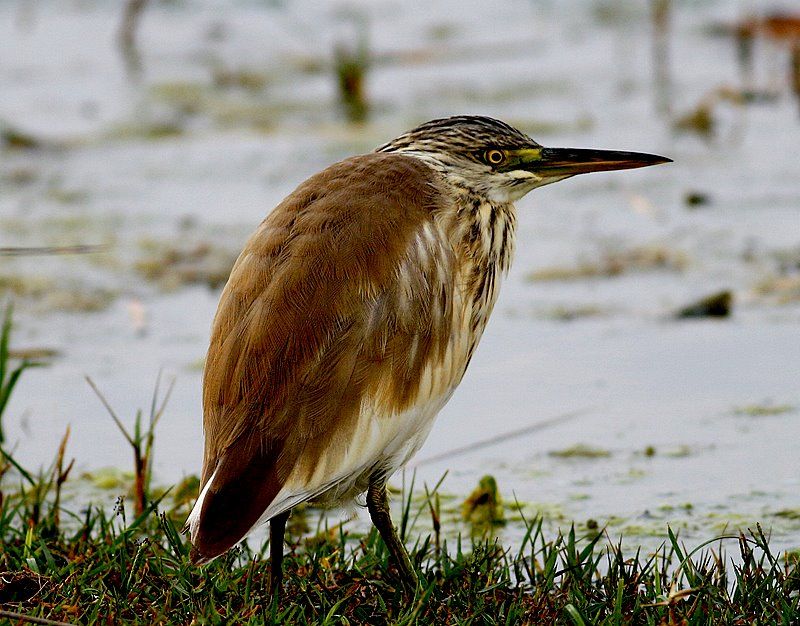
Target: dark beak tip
(634, 160)
(642, 159)
(572, 161)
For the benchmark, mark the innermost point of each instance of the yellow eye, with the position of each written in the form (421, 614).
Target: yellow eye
(494, 157)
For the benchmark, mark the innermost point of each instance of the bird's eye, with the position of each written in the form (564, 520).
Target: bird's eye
(494, 157)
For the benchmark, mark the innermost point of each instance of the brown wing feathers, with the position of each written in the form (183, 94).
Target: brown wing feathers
(306, 327)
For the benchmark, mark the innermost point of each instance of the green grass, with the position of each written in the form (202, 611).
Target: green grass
(100, 567)
(73, 562)
(8, 376)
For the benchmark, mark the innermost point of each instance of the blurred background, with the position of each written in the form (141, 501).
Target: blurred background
(646, 346)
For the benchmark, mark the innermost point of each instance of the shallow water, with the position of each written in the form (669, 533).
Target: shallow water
(597, 359)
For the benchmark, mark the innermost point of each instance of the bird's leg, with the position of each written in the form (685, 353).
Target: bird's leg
(277, 528)
(378, 505)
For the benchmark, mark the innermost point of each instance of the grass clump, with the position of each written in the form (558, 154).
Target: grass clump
(174, 265)
(67, 564)
(98, 567)
(764, 410)
(616, 262)
(581, 451)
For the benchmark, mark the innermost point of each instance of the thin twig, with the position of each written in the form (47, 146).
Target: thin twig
(154, 400)
(51, 250)
(491, 441)
(33, 620)
(155, 415)
(113, 415)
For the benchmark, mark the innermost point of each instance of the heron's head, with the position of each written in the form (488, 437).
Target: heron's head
(494, 159)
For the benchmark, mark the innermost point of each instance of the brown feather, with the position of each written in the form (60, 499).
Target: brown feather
(350, 318)
(319, 313)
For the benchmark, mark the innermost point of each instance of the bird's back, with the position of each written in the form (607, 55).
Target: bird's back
(343, 329)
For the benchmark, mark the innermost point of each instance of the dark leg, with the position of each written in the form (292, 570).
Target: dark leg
(378, 505)
(277, 528)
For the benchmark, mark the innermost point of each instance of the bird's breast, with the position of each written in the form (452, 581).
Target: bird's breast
(422, 333)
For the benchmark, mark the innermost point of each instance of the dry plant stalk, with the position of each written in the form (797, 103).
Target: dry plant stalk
(141, 443)
(60, 475)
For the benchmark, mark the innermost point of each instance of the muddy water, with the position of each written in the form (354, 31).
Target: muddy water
(644, 420)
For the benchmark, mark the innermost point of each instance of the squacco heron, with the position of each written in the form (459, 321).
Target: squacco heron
(350, 318)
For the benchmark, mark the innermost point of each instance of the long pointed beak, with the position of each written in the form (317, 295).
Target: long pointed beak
(562, 162)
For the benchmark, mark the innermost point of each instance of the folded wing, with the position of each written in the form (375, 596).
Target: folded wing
(325, 333)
